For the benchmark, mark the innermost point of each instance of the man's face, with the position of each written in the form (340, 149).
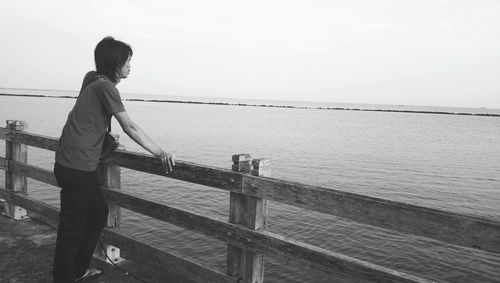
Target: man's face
(125, 70)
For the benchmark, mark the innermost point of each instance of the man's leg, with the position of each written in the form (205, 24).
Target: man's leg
(96, 221)
(72, 221)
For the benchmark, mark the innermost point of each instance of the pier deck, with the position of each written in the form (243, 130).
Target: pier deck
(27, 249)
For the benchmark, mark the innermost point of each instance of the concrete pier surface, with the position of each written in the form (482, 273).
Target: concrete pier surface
(27, 249)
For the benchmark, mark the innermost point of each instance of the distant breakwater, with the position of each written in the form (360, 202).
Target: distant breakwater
(270, 105)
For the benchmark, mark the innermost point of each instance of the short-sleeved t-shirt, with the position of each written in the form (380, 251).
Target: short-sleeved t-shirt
(83, 134)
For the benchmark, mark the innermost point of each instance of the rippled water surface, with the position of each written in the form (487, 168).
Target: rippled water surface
(448, 162)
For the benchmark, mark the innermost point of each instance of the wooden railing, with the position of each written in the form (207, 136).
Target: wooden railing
(250, 187)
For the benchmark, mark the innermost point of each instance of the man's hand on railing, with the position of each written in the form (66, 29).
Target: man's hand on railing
(167, 160)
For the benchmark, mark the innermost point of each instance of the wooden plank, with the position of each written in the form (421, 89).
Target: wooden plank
(4, 133)
(19, 153)
(30, 139)
(33, 172)
(109, 177)
(177, 263)
(241, 158)
(250, 212)
(31, 204)
(261, 167)
(35, 140)
(235, 264)
(185, 171)
(4, 163)
(454, 228)
(259, 241)
(13, 181)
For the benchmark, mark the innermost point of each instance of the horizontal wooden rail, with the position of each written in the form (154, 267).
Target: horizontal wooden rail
(465, 230)
(30, 171)
(187, 267)
(260, 241)
(177, 263)
(454, 228)
(30, 204)
(185, 171)
(30, 139)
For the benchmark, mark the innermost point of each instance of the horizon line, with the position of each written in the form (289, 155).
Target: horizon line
(297, 101)
(267, 105)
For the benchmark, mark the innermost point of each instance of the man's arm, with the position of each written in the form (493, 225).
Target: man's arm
(139, 136)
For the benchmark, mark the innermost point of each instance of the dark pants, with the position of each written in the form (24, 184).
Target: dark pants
(83, 214)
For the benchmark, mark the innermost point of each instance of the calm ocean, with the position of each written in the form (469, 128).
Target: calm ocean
(449, 162)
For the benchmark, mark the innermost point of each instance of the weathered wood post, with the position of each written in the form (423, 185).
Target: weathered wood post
(250, 212)
(261, 167)
(13, 182)
(110, 177)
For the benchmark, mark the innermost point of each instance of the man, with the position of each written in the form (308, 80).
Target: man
(84, 210)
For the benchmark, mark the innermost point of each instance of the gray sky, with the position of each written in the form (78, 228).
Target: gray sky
(418, 52)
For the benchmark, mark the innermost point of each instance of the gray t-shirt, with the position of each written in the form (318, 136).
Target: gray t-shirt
(83, 134)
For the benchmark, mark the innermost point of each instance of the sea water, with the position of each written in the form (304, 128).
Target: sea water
(448, 162)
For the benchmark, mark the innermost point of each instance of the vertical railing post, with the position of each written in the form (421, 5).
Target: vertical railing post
(14, 182)
(110, 177)
(261, 167)
(250, 212)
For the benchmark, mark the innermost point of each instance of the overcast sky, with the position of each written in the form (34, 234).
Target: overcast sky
(418, 52)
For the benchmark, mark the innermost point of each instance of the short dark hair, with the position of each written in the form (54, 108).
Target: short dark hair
(110, 55)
